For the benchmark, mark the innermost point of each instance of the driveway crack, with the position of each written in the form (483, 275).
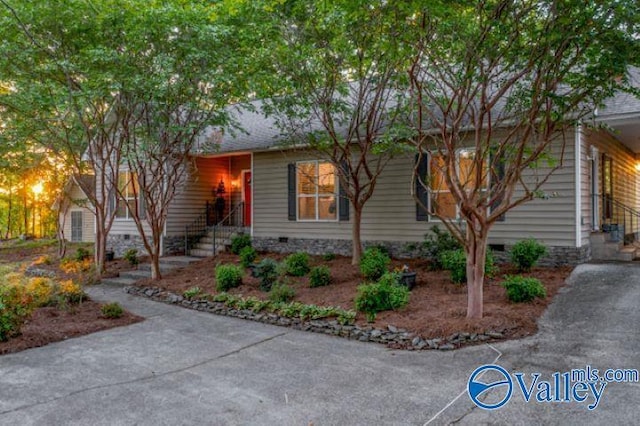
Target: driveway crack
(145, 378)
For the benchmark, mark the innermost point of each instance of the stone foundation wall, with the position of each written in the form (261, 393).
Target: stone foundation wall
(120, 243)
(557, 256)
(173, 246)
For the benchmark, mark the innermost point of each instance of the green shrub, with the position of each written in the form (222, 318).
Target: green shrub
(15, 308)
(319, 276)
(455, 261)
(373, 264)
(267, 272)
(523, 289)
(247, 256)
(435, 244)
(112, 310)
(328, 257)
(297, 264)
(81, 254)
(228, 276)
(191, 293)
(131, 256)
(239, 242)
(526, 253)
(384, 295)
(281, 293)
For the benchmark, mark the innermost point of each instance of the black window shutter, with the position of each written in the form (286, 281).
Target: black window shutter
(142, 202)
(421, 192)
(292, 191)
(497, 174)
(343, 200)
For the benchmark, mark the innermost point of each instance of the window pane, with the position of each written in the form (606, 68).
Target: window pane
(132, 205)
(467, 169)
(307, 178)
(444, 204)
(326, 178)
(121, 209)
(132, 187)
(327, 208)
(437, 174)
(307, 208)
(122, 181)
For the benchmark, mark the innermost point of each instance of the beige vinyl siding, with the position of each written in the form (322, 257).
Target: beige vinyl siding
(585, 182)
(190, 202)
(390, 214)
(78, 202)
(625, 175)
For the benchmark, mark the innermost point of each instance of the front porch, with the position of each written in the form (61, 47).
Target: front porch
(217, 196)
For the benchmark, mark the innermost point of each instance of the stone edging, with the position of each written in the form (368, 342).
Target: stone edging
(393, 337)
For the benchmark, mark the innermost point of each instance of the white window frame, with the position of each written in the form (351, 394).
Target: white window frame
(459, 151)
(127, 214)
(317, 194)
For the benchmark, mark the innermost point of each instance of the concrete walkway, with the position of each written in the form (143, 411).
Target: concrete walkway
(186, 367)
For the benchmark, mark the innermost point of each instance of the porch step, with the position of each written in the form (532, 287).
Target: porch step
(209, 241)
(602, 248)
(118, 281)
(144, 270)
(136, 274)
(198, 252)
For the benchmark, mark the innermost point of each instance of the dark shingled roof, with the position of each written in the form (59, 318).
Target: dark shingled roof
(260, 133)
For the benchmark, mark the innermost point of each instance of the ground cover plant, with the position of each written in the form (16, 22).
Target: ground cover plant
(436, 306)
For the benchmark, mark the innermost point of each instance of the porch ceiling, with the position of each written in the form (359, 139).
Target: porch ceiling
(628, 132)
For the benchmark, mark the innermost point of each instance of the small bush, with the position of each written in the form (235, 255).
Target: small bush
(81, 254)
(191, 293)
(15, 308)
(239, 242)
(267, 271)
(131, 256)
(40, 290)
(112, 310)
(384, 295)
(281, 293)
(297, 264)
(373, 264)
(319, 276)
(228, 276)
(526, 253)
(69, 292)
(523, 289)
(455, 261)
(247, 256)
(328, 257)
(436, 242)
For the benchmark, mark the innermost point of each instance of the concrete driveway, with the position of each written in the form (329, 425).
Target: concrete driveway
(186, 367)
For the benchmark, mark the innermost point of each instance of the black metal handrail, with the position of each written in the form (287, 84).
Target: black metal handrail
(207, 221)
(614, 212)
(231, 223)
(198, 228)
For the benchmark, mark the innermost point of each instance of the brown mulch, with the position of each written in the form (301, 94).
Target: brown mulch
(437, 307)
(51, 324)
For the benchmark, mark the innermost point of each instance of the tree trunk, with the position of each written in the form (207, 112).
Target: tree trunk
(155, 259)
(476, 259)
(355, 235)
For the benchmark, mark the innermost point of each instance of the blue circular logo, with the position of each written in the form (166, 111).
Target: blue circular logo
(477, 388)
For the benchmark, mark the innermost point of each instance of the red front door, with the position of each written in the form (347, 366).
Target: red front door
(246, 190)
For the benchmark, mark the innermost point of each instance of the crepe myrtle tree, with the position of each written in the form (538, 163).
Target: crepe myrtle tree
(341, 92)
(496, 89)
(62, 93)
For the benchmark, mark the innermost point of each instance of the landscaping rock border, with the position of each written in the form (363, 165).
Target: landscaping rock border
(393, 337)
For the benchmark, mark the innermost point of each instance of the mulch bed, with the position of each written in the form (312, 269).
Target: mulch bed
(437, 307)
(51, 324)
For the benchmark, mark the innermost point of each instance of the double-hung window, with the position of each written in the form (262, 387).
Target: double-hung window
(316, 191)
(129, 189)
(441, 199)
